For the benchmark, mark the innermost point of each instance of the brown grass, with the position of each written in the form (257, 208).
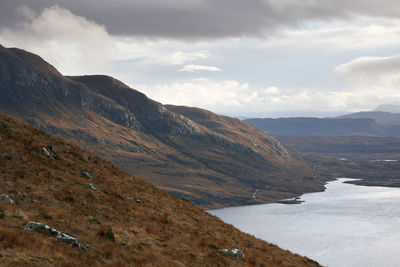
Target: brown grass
(160, 231)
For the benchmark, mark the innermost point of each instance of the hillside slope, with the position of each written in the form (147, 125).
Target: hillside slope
(121, 220)
(213, 160)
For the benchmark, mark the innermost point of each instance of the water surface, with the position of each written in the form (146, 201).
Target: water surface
(347, 225)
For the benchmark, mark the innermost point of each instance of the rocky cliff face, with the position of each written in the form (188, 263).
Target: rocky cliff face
(213, 160)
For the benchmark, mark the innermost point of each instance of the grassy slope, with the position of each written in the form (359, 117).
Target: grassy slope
(162, 231)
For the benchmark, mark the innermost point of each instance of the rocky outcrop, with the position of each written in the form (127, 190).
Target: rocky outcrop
(93, 187)
(137, 200)
(7, 198)
(86, 175)
(43, 228)
(237, 253)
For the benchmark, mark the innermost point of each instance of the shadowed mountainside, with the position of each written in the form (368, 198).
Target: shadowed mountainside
(120, 220)
(213, 160)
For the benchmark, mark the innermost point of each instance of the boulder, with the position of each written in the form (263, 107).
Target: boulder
(47, 153)
(43, 228)
(137, 200)
(86, 175)
(7, 198)
(94, 188)
(237, 253)
(52, 149)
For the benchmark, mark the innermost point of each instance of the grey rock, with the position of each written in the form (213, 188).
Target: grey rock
(137, 200)
(94, 188)
(254, 195)
(47, 153)
(85, 157)
(125, 242)
(7, 198)
(86, 175)
(237, 253)
(43, 228)
(52, 150)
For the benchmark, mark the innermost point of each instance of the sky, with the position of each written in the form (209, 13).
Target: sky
(254, 58)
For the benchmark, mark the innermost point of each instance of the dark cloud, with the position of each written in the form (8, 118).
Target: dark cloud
(203, 18)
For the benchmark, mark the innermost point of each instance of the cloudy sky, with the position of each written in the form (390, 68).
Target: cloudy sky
(265, 58)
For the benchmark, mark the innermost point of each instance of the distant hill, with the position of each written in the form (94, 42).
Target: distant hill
(343, 145)
(380, 117)
(320, 127)
(213, 160)
(117, 219)
(366, 123)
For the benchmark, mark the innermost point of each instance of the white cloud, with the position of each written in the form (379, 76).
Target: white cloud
(193, 68)
(362, 33)
(180, 58)
(76, 45)
(197, 92)
(240, 98)
(371, 66)
(375, 80)
(272, 90)
(72, 43)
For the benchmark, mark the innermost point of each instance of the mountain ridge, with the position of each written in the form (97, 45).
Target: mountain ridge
(213, 160)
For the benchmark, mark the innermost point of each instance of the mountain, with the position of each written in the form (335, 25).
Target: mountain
(63, 206)
(319, 127)
(193, 153)
(380, 117)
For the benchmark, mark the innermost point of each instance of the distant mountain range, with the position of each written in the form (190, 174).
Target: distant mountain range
(212, 160)
(380, 117)
(369, 123)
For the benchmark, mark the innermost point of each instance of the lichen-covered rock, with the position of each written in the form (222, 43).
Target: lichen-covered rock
(7, 198)
(86, 175)
(43, 228)
(237, 253)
